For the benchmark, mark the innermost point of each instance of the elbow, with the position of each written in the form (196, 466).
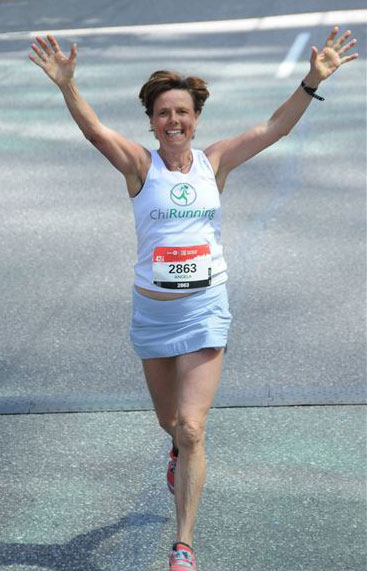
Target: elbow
(285, 133)
(278, 130)
(93, 132)
(93, 137)
(282, 133)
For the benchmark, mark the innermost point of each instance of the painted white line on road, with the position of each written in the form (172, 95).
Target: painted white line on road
(307, 19)
(288, 64)
(218, 26)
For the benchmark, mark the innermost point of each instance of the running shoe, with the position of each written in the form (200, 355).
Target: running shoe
(182, 558)
(172, 469)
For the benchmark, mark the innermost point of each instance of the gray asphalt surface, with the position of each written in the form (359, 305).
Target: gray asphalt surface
(86, 492)
(285, 488)
(293, 228)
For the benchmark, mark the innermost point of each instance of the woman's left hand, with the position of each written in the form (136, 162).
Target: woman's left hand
(325, 62)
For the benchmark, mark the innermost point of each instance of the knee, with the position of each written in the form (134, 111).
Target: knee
(168, 424)
(190, 433)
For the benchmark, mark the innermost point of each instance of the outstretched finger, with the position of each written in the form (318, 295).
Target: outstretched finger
(44, 45)
(35, 60)
(72, 55)
(347, 47)
(333, 33)
(348, 58)
(39, 52)
(53, 42)
(342, 39)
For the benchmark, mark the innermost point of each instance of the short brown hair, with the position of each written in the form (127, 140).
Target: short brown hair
(161, 81)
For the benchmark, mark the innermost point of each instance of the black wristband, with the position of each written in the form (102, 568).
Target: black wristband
(311, 91)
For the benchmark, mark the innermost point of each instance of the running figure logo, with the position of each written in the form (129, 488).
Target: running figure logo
(183, 194)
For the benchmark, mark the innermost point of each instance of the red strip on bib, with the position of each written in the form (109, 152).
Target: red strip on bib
(178, 267)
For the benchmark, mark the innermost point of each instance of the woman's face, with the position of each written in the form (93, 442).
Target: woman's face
(174, 120)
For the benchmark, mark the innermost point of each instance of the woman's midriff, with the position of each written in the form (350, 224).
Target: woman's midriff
(158, 295)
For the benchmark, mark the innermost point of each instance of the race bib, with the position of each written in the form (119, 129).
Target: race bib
(182, 267)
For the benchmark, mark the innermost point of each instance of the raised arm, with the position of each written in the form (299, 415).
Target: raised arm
(228, 154)
(128, 157)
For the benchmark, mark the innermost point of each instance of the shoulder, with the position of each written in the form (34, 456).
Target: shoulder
(203, 160)
(136, 181)
(213, 157)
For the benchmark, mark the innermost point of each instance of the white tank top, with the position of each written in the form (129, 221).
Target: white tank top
(178, 227)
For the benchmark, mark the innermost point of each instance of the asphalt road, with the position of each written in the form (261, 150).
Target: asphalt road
(86, 492)
(294, 216)
(286, 484)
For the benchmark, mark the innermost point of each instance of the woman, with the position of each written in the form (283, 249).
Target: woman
(181, 318)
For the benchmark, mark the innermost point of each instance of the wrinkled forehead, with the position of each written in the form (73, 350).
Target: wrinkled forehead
(174, 98)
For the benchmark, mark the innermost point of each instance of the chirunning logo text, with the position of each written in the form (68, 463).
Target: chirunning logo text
(157, 213)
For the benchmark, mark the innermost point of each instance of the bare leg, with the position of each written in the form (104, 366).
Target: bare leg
(198, 377)
(161, 379)
(189, 481)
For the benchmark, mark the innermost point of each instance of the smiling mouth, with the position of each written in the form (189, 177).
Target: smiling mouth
(173, 132)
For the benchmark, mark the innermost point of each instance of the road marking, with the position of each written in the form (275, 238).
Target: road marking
(288, 64)
(216, 26)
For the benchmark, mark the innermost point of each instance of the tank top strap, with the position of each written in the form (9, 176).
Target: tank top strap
(156, 162)
(203, 162)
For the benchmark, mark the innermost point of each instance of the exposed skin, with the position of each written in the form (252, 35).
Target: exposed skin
(133, 160)
(183, 387)
(174, 110)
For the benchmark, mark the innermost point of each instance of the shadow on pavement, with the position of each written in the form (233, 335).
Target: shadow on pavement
(77, 553)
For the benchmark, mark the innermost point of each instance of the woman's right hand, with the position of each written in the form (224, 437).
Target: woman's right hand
(53, 61)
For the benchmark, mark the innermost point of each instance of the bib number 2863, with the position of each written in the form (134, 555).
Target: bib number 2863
(182, 267)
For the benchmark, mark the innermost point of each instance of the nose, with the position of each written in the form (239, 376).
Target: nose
(173, 117)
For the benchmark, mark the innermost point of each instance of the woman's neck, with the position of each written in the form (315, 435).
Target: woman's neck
(176, 159)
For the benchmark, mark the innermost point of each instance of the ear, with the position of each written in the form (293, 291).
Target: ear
(152, 130)
(151, 125)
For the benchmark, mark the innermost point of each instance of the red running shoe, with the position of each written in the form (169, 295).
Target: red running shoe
(182, 558)
(172, 469)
